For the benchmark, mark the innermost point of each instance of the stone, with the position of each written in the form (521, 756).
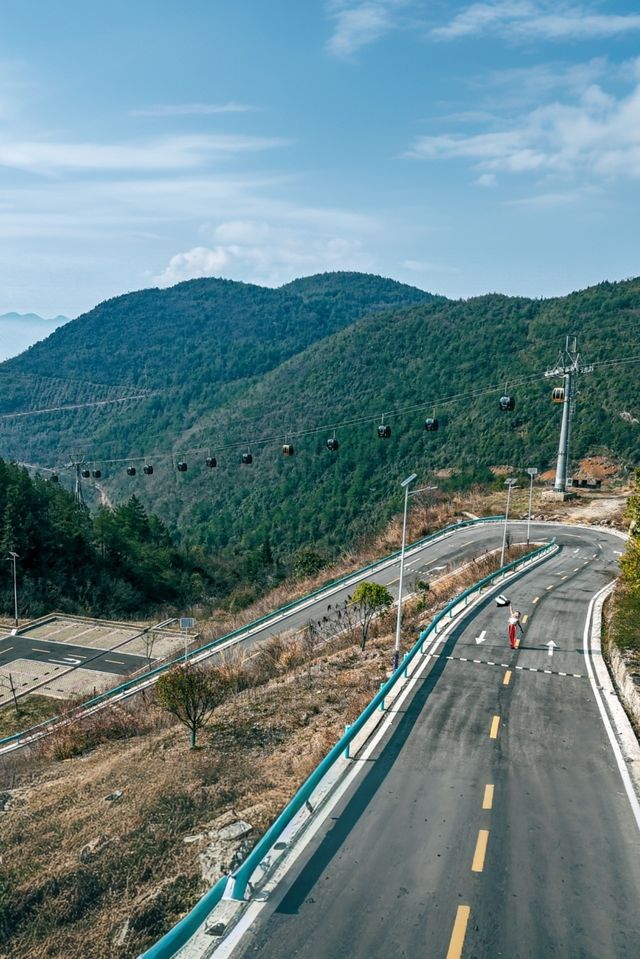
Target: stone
(114, 796)
(235, 831)
(92, 849)
(197, 838)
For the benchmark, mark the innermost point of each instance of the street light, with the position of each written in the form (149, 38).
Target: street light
(12, 557)
(510, 484)
(532, 471)
(405, 483)
(407, 494)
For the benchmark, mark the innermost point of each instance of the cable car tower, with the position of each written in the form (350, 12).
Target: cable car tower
(569, 367)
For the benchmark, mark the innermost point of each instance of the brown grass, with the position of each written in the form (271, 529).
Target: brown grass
(285, 708)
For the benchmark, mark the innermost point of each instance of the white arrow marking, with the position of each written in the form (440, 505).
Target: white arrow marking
(551, 646)
(480, 638)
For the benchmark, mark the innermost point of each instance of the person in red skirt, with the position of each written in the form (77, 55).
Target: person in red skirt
(514, 624)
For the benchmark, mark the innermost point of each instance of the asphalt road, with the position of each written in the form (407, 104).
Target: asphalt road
(68, 654)
(491, 821)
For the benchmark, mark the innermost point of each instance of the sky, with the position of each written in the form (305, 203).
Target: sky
(460, 147)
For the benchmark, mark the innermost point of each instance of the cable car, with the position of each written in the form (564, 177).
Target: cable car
(247, 459)
(147, 469)
(54, 478)
(332, 444)
(182, 467)
(287, 450)
(384, 431)
(131, 471)
(85, 474)
(507, 404)
(557, 394)
(211, 462)
(96, 474)
(431, 424)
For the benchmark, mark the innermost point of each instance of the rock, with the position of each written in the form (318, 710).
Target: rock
(112, 797)
(235, 831)
(5, 802)
(228, 847)
(197, 838)
(122, 935)
(92, 849)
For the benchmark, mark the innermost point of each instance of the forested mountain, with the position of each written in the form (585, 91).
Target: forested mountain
(118, 562)
(350, 349)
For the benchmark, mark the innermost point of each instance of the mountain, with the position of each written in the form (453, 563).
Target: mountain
(20, 330)
(246, 369)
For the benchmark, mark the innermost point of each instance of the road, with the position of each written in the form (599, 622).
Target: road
(491, 820)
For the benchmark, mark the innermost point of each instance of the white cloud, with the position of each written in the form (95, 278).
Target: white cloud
(599, 136)
(175, 153)
(427, 266)
(529, 19)
(487, 180)
(357, 24)
(190, 109)
(260, 252)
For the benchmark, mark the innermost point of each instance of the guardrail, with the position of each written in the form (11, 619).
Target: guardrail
(234, 886)
(249, 627)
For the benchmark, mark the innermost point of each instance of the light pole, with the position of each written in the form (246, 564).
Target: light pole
(12, 557)
(396, 651)
(510, 484)
(532, 471)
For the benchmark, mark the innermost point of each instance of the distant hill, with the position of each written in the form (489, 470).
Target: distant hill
(229, 364)
(19, 330)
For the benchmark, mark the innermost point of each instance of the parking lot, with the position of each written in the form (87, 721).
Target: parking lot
(68, 656)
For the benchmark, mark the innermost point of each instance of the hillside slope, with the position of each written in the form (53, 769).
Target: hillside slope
(414, 357)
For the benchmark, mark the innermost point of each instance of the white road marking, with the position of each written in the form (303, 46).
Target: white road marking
(481, 637)
(617, 752)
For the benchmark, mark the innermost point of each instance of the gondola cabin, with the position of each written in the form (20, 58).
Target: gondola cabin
(384, 431)
(247, 459)
(431, 424)
(287, 450)
(85, 474)
(332, 444)
(147, 470)
(54, 478)
(557, 394)
(96, 474)
(507, 404)
(211, 462)
(131, 471)
(182, 467)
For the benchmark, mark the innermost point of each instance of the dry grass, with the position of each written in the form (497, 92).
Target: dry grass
(285, 708)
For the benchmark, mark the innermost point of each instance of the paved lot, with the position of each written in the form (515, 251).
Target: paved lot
(67, 656)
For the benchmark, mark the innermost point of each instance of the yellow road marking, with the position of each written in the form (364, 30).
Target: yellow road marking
(536, 599)
(495, 725)
(487, 801)
(525, 618)
(481, 849)
(507, 678)
(459, 932)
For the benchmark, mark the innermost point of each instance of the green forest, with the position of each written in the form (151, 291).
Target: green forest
(229, 368)
(116, 562)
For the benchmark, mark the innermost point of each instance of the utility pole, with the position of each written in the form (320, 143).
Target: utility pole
(79, 495)
(569, 367)
(12, 557)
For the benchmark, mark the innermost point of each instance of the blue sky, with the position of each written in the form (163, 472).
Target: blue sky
(463, 148)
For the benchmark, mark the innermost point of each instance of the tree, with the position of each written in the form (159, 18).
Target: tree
(190, 694)
(370, 599)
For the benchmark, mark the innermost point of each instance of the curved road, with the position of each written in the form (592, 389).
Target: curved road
(491, 820)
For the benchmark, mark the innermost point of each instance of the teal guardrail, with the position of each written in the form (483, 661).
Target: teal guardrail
(262, 620)
(172, 941)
